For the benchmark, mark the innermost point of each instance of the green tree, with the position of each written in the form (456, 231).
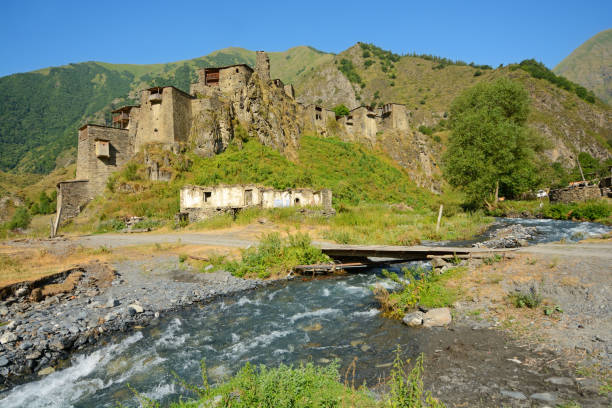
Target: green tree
(21, 219)
(341, 110)
(491, 149)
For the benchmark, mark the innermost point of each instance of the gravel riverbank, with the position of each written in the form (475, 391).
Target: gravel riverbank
(39, 331)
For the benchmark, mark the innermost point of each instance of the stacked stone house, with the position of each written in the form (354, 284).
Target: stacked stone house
(205, 119)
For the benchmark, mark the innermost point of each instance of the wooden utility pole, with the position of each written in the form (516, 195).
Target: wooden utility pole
(439, 218)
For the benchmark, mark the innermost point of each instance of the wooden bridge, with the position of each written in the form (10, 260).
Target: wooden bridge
(405, 253)
(363, 256)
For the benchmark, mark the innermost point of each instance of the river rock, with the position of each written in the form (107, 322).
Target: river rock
(437, 317)
(438, 262)
(33, 355)
(112, 302)
(513, 394)
(3, 361)
(3, 311)
(8, 337)
(135, 308)
(560, 381)
(46, 371)
(21, 292)
(413, 319)
(512, 236)
(544, 396)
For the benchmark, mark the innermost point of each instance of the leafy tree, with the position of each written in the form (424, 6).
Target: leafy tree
(490, 148)
(341, 110)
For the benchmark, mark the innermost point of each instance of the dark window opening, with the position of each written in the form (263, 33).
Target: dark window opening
(318, 117)
(207, 196)
(237, 70)
(297, 200)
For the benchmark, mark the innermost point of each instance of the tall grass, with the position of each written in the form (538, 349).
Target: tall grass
(304, 386)
(274, 255)
(422, 288)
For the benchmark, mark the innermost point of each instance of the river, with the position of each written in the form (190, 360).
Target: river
(290, 322)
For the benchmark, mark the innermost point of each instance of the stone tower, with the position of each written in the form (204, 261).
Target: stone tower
(262, 65)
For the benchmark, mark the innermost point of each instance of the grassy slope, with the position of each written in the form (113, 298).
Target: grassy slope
(40, 111)
(590, 65)
(361, 181)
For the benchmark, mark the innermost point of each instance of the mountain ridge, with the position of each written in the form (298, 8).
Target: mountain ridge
(41, 112)
(590, 65)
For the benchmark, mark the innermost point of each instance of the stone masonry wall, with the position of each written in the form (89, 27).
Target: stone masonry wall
(97, 170)
(71, 198)
(575, 194)
(167, 122)
(262, 65)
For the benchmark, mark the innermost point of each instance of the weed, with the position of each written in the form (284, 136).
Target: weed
(101, 250)
(406, 388)
(530, 299)
(549, 311)
(182, 257)
(492, 259)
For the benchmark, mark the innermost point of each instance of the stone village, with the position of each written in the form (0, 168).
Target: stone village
(206, 119)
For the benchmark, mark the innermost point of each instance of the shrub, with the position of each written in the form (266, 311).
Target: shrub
(46, 203)
(131, 172)
(21, 219)
(426, 130)
(341, 110)
(423, 288)
(275, 255)
(477, 73)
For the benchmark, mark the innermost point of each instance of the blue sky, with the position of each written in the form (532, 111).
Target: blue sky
(37, 34)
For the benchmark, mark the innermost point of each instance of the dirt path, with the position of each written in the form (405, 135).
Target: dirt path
(601, 249)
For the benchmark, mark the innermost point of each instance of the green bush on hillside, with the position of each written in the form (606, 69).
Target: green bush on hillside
(539, 70)
(46, 204)
(341, 110)
(348, 69)
(21, 219)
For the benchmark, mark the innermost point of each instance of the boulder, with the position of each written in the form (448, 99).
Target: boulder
(437, 317)
(413, 319)
(438, 262)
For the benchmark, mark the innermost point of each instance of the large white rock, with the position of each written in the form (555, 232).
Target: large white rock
(413, 319)
(437, 317)
(8, 337)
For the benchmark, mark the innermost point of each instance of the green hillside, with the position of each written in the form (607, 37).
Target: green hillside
(590, 65)
(41, 111)
(563, 112)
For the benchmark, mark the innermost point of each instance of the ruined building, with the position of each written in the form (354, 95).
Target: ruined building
(199, 202)
(222, 101)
